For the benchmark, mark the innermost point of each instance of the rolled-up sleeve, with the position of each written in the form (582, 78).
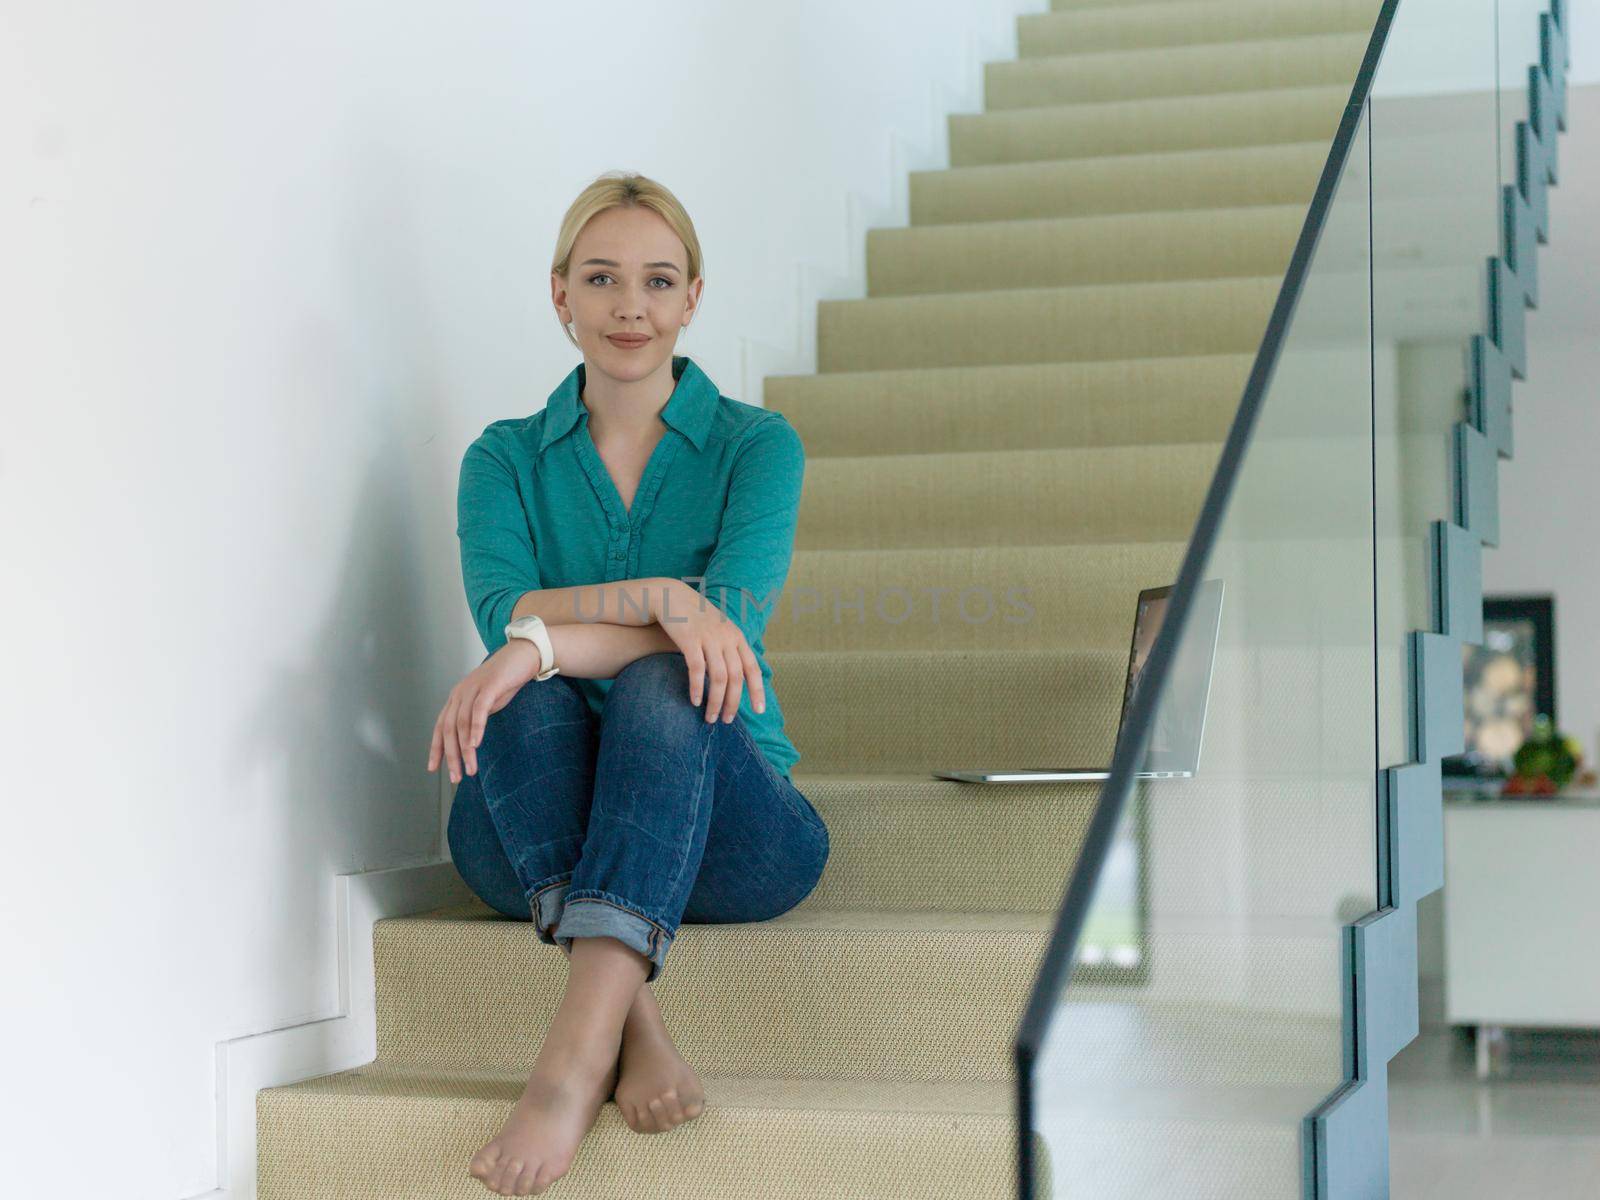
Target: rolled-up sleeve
(750, 562)
(498, 562)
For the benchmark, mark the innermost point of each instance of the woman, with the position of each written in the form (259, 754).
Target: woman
(595, 798)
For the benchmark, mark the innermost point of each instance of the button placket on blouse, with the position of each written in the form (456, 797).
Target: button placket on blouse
(617, 558)
(625, 524)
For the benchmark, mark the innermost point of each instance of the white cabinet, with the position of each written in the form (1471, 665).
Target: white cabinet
(1521, 913)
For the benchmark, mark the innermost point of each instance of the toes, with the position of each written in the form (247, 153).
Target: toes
(507, 1175)
(526, 1180)
(546, 1176)
(661, 1113)
(483, 1166)
(674, 1105)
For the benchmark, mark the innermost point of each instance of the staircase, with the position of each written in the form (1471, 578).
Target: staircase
(1032, 396)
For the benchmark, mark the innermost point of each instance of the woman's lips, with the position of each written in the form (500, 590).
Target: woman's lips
(626, 343)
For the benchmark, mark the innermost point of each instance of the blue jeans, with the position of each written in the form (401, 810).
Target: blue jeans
(624, 823)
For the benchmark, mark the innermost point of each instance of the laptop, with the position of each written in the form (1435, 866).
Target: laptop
(1174, 749)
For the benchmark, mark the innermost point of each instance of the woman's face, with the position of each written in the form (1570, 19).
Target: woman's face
(626, 277)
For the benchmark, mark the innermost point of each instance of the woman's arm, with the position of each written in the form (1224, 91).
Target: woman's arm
(599, 650)
(624, 602)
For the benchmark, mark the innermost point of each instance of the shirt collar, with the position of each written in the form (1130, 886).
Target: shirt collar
(689, 409)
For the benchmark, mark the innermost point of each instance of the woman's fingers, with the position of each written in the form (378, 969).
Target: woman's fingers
(481, 708)
(719, 674)
(463, 726)
(730, 702)
(752, 674)
(436, 746)
(447, 733)
(717, 682)
(695, 660)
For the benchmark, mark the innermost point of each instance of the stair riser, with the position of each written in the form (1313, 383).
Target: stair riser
(856, 713)
(914, 846)
(1037, 325)
(1124, 183)
(1146, 126)
(337, 1148)
(1047, 497)
(1183, 71)
(997, 255)
(759, 998)
(1030, 407)
(1079, 596)
(1138, 26)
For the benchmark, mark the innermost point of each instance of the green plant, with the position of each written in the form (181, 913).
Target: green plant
(1546, 761)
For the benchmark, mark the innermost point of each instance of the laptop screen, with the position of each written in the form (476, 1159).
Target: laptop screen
(1146, 624)
(1179, 719)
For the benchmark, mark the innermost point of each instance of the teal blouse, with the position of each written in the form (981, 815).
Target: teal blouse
(719, 499)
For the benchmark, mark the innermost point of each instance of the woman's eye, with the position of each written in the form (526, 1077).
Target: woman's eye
(653, 278)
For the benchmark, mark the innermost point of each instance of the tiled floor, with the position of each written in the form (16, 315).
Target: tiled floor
(1532, 1132)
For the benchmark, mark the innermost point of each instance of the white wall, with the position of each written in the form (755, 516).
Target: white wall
(268, 270)
(1459, 55)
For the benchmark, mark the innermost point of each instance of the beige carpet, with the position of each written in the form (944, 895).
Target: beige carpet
(1031, 397)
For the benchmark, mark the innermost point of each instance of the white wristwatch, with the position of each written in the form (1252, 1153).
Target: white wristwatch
(534, 630)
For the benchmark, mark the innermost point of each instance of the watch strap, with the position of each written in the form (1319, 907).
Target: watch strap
(533, 629)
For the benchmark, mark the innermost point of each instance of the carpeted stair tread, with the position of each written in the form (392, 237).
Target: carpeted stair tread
(1003, 406)
(967, 597)
(1075, 5)
(1192, 70)
(919, 709)
(1005, 497)
(806, 918)
(477, 988)
(1047, 324)
(1119, 127)
(1069, 596)
(818, 992)
(1186, 23)
(1211, 243)
(388, 1130)
(814, 992)
(403, 1080)
(1283, 173)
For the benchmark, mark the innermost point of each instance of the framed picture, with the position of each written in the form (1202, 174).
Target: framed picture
(1509, 680)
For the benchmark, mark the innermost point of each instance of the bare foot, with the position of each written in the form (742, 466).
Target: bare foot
(540, 1138)
(657, 1090)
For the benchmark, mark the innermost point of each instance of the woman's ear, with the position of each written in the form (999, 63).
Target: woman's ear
(558, 296)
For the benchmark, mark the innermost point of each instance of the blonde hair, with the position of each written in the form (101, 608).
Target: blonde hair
(623, 189)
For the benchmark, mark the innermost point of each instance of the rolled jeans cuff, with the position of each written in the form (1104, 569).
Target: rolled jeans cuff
(589, 912)
(545, 904)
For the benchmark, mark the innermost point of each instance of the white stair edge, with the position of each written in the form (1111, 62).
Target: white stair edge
(322, 1045)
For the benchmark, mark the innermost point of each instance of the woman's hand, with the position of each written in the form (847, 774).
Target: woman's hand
(714, 649)
(487, 689)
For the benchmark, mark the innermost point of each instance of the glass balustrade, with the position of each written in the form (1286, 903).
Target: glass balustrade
(1197, 1012)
